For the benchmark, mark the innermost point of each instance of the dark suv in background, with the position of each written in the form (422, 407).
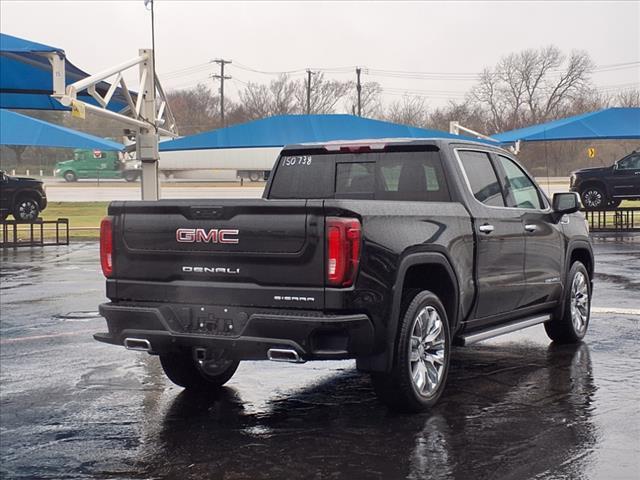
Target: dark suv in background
(606, 187)
(23, 197)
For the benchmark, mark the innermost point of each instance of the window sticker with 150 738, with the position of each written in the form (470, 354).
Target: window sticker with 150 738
(301, 160)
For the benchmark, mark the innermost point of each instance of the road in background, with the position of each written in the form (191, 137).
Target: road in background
(515, 407)
(85, 191)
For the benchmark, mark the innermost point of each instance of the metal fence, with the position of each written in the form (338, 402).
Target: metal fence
(33, 234)
(626, 219)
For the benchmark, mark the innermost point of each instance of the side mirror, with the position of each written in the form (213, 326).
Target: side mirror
(566, 202)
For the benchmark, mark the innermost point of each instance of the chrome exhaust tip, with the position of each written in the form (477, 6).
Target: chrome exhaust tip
(284, 355)
(139, 344)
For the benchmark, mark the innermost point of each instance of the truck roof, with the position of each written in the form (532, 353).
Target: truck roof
(380, 143)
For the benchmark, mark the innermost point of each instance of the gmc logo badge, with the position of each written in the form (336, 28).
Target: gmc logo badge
(200, 235)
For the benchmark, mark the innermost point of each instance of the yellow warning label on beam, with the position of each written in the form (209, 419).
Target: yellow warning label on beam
(591, 152)
(77, 109)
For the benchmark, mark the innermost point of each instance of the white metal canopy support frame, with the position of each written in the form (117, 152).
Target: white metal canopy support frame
(149, 117)
(455, 127)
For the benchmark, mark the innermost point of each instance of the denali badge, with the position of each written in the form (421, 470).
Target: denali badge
(231, 271)
(200, 235)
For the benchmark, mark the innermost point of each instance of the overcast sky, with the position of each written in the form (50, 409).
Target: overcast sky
(445, 38)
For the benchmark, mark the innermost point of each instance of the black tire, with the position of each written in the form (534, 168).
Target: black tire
(182, 369)
(26, 209)
(131, 176)
(569, 324)
(400, 389)
(615, 203)
(594, 198)
(70, 176)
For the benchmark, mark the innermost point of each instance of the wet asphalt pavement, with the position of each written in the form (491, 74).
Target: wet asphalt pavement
(515, 407)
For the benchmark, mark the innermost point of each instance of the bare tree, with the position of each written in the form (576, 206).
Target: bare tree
(325, 94)
(532, 86)
(369, 100)
(467, 113)
(18, 150)
(628, 98)
(196, 109)
(488, 93)
(283, 100)
(256, 101)
(277, 98)
(410, 110)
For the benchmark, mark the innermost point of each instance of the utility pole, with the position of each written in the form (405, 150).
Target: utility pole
(309, 73)
(359, 89)
(222, 78)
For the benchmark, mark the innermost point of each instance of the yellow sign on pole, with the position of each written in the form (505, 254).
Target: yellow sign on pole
(591, 152)
(77, 110)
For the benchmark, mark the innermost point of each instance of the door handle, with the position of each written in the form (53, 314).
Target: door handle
(530, 227)
(486, 228)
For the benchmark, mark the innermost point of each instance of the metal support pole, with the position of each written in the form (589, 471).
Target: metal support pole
(147, 138)
(359, 89)
(309, 73)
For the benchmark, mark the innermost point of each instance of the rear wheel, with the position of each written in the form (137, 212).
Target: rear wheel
(70, 176)
(421, 362)
(255, 176)
(26, 209)
(183, 370)
(131, 176)
(593, 198)
(571, 325)
(614, 203)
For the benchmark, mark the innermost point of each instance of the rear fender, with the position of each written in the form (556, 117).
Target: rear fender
(384, 361)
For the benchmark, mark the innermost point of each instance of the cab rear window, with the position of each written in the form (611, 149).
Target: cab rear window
(389, 175)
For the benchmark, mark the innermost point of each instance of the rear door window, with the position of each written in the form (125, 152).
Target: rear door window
(482, 178)
(521, 191)
(408, 176)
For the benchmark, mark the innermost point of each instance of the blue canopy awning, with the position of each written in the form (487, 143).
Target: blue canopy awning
(26, 80)
(18, 129)
(610, 123)
(291, 129)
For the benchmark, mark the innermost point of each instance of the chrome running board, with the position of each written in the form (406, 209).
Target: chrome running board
(503, 329)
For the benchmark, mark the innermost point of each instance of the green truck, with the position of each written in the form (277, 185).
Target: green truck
(96, 164)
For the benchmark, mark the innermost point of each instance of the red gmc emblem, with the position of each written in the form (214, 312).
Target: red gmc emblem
(200, 235)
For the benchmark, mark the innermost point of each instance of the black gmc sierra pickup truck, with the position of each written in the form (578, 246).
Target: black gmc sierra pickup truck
(605, 187)
(388, 252)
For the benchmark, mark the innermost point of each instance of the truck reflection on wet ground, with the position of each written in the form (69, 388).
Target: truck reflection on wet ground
(507, 410)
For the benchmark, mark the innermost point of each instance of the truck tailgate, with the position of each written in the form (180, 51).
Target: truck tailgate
(230, 252)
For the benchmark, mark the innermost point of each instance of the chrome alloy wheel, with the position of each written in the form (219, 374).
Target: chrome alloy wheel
(27, 210)
(579, 302)
(592, 198)
(427, 351)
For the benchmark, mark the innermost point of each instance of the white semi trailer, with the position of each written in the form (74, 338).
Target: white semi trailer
(221, 164)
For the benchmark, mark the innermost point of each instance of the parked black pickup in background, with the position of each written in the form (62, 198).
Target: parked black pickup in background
(605, 187)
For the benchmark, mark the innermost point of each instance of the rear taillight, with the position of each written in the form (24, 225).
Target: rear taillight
(106, 246)
(343, 250)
